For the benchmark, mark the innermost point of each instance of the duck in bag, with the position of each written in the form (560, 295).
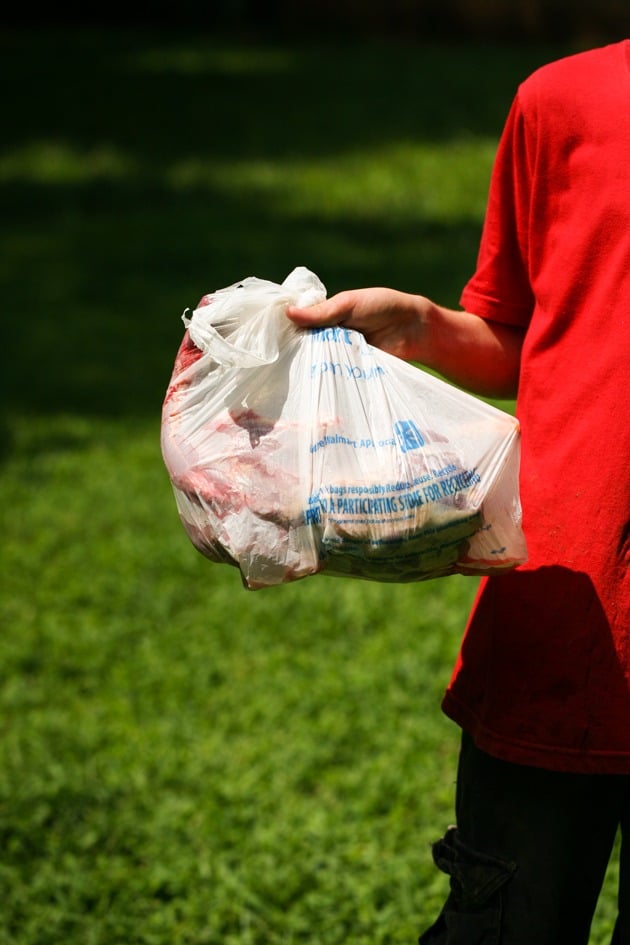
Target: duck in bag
(294, 452)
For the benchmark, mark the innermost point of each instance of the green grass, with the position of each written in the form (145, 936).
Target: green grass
(181, 761)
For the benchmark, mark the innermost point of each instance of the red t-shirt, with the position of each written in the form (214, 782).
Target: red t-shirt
(543, 675)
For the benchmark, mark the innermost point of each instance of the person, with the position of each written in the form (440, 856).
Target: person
(540, 688)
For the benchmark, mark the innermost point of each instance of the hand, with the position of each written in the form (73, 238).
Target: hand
(388, 319)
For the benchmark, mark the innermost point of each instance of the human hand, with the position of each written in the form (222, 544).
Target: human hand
(389, 319)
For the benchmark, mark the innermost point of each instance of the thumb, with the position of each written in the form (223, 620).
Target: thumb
(333, 311)
(322, 313)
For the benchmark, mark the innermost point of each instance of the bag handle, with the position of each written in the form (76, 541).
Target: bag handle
(245, 324)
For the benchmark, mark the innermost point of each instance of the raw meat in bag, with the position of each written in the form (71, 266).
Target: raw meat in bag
(293, 452)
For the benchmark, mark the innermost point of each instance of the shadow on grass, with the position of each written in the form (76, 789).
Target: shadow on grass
(101, 254)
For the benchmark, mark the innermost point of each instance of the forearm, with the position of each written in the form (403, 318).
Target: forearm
(480, 355)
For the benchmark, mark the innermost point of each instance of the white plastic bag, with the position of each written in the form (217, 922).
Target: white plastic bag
(293, 452)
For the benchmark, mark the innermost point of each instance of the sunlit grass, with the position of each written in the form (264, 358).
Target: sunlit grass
(56, 162)
(447, 180)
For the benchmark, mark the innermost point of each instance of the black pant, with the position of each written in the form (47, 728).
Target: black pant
(528, 856)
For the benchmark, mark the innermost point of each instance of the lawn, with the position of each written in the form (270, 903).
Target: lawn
(183, 762)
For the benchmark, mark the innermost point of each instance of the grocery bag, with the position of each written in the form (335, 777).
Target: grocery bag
(294, 451)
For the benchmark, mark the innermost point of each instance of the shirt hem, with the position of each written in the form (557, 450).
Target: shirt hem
(518, 751)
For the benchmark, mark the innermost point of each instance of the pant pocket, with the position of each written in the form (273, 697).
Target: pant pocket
(472, 912)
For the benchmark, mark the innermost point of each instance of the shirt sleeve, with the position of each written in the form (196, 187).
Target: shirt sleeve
(500, 289)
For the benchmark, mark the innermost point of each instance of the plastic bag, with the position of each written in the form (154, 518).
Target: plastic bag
(293, 452)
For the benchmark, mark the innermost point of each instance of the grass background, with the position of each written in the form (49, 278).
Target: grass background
(182, 761)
